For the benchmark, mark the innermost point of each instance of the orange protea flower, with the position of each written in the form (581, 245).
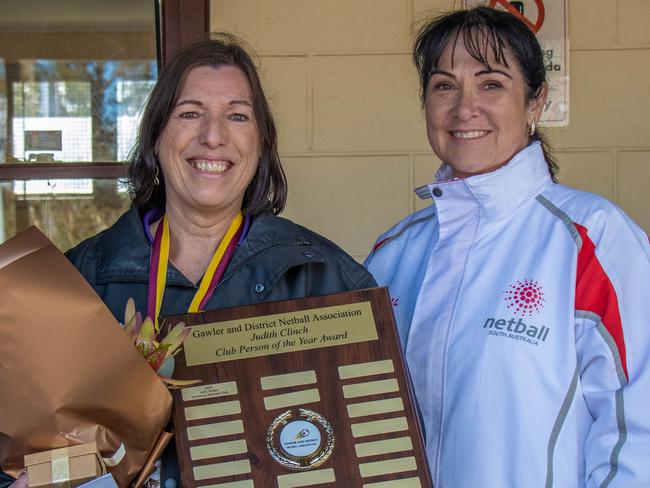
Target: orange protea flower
(158, 351)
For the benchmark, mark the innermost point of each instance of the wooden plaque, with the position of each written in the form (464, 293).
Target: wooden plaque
(297, 393)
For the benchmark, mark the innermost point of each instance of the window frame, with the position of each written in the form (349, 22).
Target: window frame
(178, 22)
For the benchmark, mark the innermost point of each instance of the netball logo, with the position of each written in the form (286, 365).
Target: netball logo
(302, 434)
(525, 297)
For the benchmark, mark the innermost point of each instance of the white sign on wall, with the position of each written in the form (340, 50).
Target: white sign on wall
(548, 19)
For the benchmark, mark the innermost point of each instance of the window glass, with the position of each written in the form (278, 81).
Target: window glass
(77, 111)
(74, 76)
(3, 111)
(67, 211)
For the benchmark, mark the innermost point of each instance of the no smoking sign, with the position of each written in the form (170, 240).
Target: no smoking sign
(514, 10)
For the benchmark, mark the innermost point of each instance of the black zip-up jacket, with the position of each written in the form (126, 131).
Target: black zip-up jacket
(277, 260)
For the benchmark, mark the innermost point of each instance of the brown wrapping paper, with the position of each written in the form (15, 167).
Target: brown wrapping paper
(68, 373)
(150, 466)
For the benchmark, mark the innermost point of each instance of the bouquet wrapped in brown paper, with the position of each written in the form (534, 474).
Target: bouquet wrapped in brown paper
(68, 373)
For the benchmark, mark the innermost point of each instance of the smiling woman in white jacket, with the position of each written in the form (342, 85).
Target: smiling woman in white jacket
(523, 305)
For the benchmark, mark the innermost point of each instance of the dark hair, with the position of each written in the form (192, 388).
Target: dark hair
(268, 189)
(484, 31)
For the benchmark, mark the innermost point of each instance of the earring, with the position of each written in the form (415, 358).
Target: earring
(531, 128)
(156, 181)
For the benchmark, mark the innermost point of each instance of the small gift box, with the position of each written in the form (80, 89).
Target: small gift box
(67, 466)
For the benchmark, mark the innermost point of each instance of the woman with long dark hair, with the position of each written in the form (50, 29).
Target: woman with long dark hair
(207, 185)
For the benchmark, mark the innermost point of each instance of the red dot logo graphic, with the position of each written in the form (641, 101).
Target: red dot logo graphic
(525, 297)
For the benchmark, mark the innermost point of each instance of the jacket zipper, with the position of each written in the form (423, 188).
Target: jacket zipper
(248, 260)
(226, 277)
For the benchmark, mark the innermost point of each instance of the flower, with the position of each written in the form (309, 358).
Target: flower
(157, 350)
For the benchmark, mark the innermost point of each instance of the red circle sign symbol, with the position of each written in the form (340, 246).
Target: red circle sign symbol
(513, 10)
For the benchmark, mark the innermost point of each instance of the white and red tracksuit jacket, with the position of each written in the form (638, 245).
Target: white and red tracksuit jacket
(524, 313)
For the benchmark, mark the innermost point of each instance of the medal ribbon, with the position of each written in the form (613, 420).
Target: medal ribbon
(216, 268)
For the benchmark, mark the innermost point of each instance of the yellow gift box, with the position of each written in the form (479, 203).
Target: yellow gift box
(64, 467)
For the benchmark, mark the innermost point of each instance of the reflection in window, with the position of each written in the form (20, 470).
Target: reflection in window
(3, 111)
(91, 116)
(53, 187)
(72, 85)
(131, 96)
(53, 120)
(66, 210)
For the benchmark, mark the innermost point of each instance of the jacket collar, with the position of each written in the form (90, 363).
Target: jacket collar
(125, 251)
(499, 192)
(269, 232)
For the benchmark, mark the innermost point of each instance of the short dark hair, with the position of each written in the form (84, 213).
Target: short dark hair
(268, 189)
(483, 31)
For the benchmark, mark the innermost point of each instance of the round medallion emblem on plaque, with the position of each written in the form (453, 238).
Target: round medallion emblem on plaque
(301, 441)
